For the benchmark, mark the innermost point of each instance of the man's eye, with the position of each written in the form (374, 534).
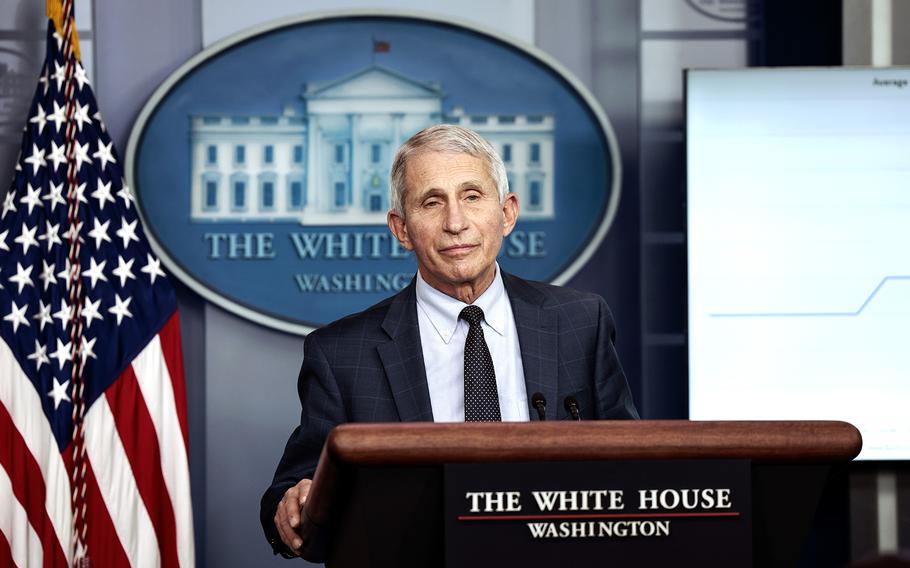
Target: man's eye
(431, 204)
(472, 197)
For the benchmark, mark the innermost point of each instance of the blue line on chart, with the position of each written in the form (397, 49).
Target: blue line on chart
(815, 314)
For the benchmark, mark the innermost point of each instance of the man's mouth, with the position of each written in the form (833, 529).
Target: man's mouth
(455, 250)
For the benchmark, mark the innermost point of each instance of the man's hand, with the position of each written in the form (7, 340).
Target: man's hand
(287, 517)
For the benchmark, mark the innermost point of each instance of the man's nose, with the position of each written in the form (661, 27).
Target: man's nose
(454, 218)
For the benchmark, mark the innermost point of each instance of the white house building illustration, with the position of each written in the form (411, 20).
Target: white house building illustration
(330, 164)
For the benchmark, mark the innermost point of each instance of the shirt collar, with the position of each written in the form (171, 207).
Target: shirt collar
(442, 310)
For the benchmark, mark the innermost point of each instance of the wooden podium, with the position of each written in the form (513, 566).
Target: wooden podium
(377, 500)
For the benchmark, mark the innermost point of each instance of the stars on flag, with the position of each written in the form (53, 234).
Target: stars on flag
(121, 308)
(103, 193)
(51, 234)
(58, 117)
(127, 195)
(90, 312)
(81, 155)
(40, 119)
(96, 272)
(104, 154)
(80, 76)
(43, 81)
(63, 354)
(59, 74)
(47, 275)
(32, 198)
(121, 279)
(27, 238)
(39, 356)
(16, 316)
(87, 348)
(9, 204)
(23, 276)
(99, 232)
(153, 268)
(127, 231)
(124, 270)
(57, 155)
(36, 160)
(81, 116)
(58, 393)
(66, 272)
(43, 317)
(55, 196)
(64, 314)
(80, 192)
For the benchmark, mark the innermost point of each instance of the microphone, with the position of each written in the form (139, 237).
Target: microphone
(539, 402)
(571, 405)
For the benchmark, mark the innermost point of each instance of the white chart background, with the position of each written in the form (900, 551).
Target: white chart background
(799, 249)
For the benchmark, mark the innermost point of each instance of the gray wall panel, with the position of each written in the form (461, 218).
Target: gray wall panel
(250, 409)
(138, 45)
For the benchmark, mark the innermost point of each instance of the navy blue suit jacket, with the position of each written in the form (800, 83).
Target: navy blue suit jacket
(368, 367)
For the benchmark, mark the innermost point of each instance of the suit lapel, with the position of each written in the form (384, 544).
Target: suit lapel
(402, 358)
(537, 338)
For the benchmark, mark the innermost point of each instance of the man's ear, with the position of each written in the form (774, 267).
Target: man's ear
(399, 229)
(510, 208)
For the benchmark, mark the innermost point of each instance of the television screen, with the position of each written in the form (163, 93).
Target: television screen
(798, 186)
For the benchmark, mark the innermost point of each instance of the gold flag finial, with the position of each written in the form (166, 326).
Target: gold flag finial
(55, 12)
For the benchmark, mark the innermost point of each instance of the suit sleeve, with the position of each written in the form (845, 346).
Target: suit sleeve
(322, 409)
(614, 399)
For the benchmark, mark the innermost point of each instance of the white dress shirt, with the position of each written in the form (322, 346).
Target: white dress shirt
(442, 337)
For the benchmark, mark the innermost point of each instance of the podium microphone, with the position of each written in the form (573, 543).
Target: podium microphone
(540, 403)
(571, 405)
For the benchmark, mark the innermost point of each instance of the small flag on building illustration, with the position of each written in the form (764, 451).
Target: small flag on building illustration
(381, 46)
(93, 418)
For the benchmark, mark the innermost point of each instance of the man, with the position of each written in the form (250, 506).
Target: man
(464, 341)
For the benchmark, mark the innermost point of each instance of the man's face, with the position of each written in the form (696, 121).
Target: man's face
(453, 221)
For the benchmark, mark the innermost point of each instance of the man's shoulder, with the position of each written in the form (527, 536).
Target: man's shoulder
(575, 309)
(552, 296)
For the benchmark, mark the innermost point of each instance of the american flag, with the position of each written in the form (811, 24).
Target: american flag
(93, 420)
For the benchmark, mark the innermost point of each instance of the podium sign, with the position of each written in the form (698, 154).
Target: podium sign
(645, 513)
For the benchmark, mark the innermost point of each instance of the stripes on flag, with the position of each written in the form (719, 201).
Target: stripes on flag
(31, 449)
(122, 323)
(132, 512)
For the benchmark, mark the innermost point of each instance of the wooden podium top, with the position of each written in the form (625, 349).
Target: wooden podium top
(430, 443)
(425, 444)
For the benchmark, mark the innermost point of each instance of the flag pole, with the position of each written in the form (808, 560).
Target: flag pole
(62, 13)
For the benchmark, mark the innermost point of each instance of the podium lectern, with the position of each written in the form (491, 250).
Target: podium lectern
(377, 497)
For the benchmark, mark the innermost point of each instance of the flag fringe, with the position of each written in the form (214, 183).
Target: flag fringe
(54, 9)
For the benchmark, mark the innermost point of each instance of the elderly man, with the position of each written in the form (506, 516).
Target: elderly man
(463, 342)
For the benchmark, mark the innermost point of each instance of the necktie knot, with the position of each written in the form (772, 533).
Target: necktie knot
(472, 314)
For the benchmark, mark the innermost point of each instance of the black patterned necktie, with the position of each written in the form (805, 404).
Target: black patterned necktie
(481, 399)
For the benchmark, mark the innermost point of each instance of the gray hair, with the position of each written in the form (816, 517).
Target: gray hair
(447, 138)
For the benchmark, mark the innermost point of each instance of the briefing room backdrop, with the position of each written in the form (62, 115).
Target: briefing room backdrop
(628, 53)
